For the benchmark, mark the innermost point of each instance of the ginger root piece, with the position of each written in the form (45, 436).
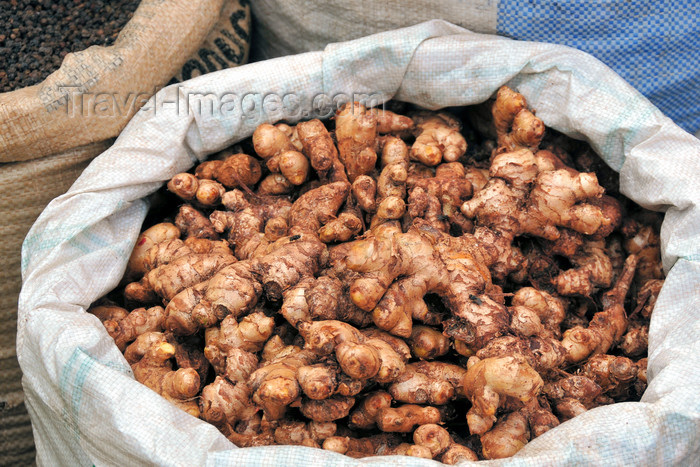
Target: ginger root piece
(542, 354)
(153, 369)
(236, 171)
(224, 403)
(391, 183)
(356, 133)
(507, 437)
(139, 321)
(345, 226)
(433, 382)
(188, 187)
(255, 431)
(457, 453)
(320, 380)
(644, 242)
(434, 437)
(275, 384)
(488, 382)
(607, 327)
(365, 416)
(327, 298)
(231, 346)
(189, 354)
(549, 308)
(539, 416)
(364, 190)
(556, 193)
(450, 187)
(321, 151)
(327, 410)
(280, 154)
(516, 126)
(407, 449)
(572, 395)
(304, 434)
(170, 279)
(192, 223)
(317, 207)
(646, 297)
(357, 447)
(358, 356)
(275, 184)
(402, 419)
(427, 343)
(614, 375)
(247, 217)
(438, 138)
(636, 340)
(522, 197)
(164, 252)
(236, 289)
(108, 312)
(389, 122)
(292, 134)
(398, 344)
(158, 233)
(441, 444)
(593, 270)
(429, 261)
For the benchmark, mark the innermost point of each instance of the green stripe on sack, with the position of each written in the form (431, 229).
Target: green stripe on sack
(71, 383)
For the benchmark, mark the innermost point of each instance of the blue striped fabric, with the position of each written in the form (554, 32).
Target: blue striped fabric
(653, 44)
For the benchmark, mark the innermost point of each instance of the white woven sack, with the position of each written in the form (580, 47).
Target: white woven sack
(85, 405)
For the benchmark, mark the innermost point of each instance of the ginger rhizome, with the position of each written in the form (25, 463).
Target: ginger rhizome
(378, 285)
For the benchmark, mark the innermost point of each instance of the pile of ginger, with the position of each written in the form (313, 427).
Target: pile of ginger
(381, 288)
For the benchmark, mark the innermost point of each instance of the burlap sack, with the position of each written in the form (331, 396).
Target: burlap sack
(25, 189)
(50, 148)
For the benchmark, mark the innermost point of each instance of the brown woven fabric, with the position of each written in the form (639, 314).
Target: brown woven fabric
(25, 189)
(200, 36)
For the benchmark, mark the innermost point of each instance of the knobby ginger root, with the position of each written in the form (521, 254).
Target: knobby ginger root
(327, 410)
(231, 347)
(360, 447)
(431, 261)
(402, 419)
(487, 383)
(434, 383)
(154, 370)
(356, 132)
(441, 444)
(148, 238)
(427, 343)
(506, 438)
(365, 416)
(371, 275)
(516, 126)
(358, 356)
(437, 138)
(542, 354)
(224, 403)
(304, 434)
(280, 154)
(607, 327)
(139, 321)
(237, 170)
(573, 395)
(170, 279)
(275, 385)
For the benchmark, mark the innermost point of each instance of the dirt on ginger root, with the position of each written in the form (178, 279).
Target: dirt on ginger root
(395, 283)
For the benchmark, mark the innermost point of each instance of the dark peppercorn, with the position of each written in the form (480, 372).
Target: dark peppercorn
(37, 34)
